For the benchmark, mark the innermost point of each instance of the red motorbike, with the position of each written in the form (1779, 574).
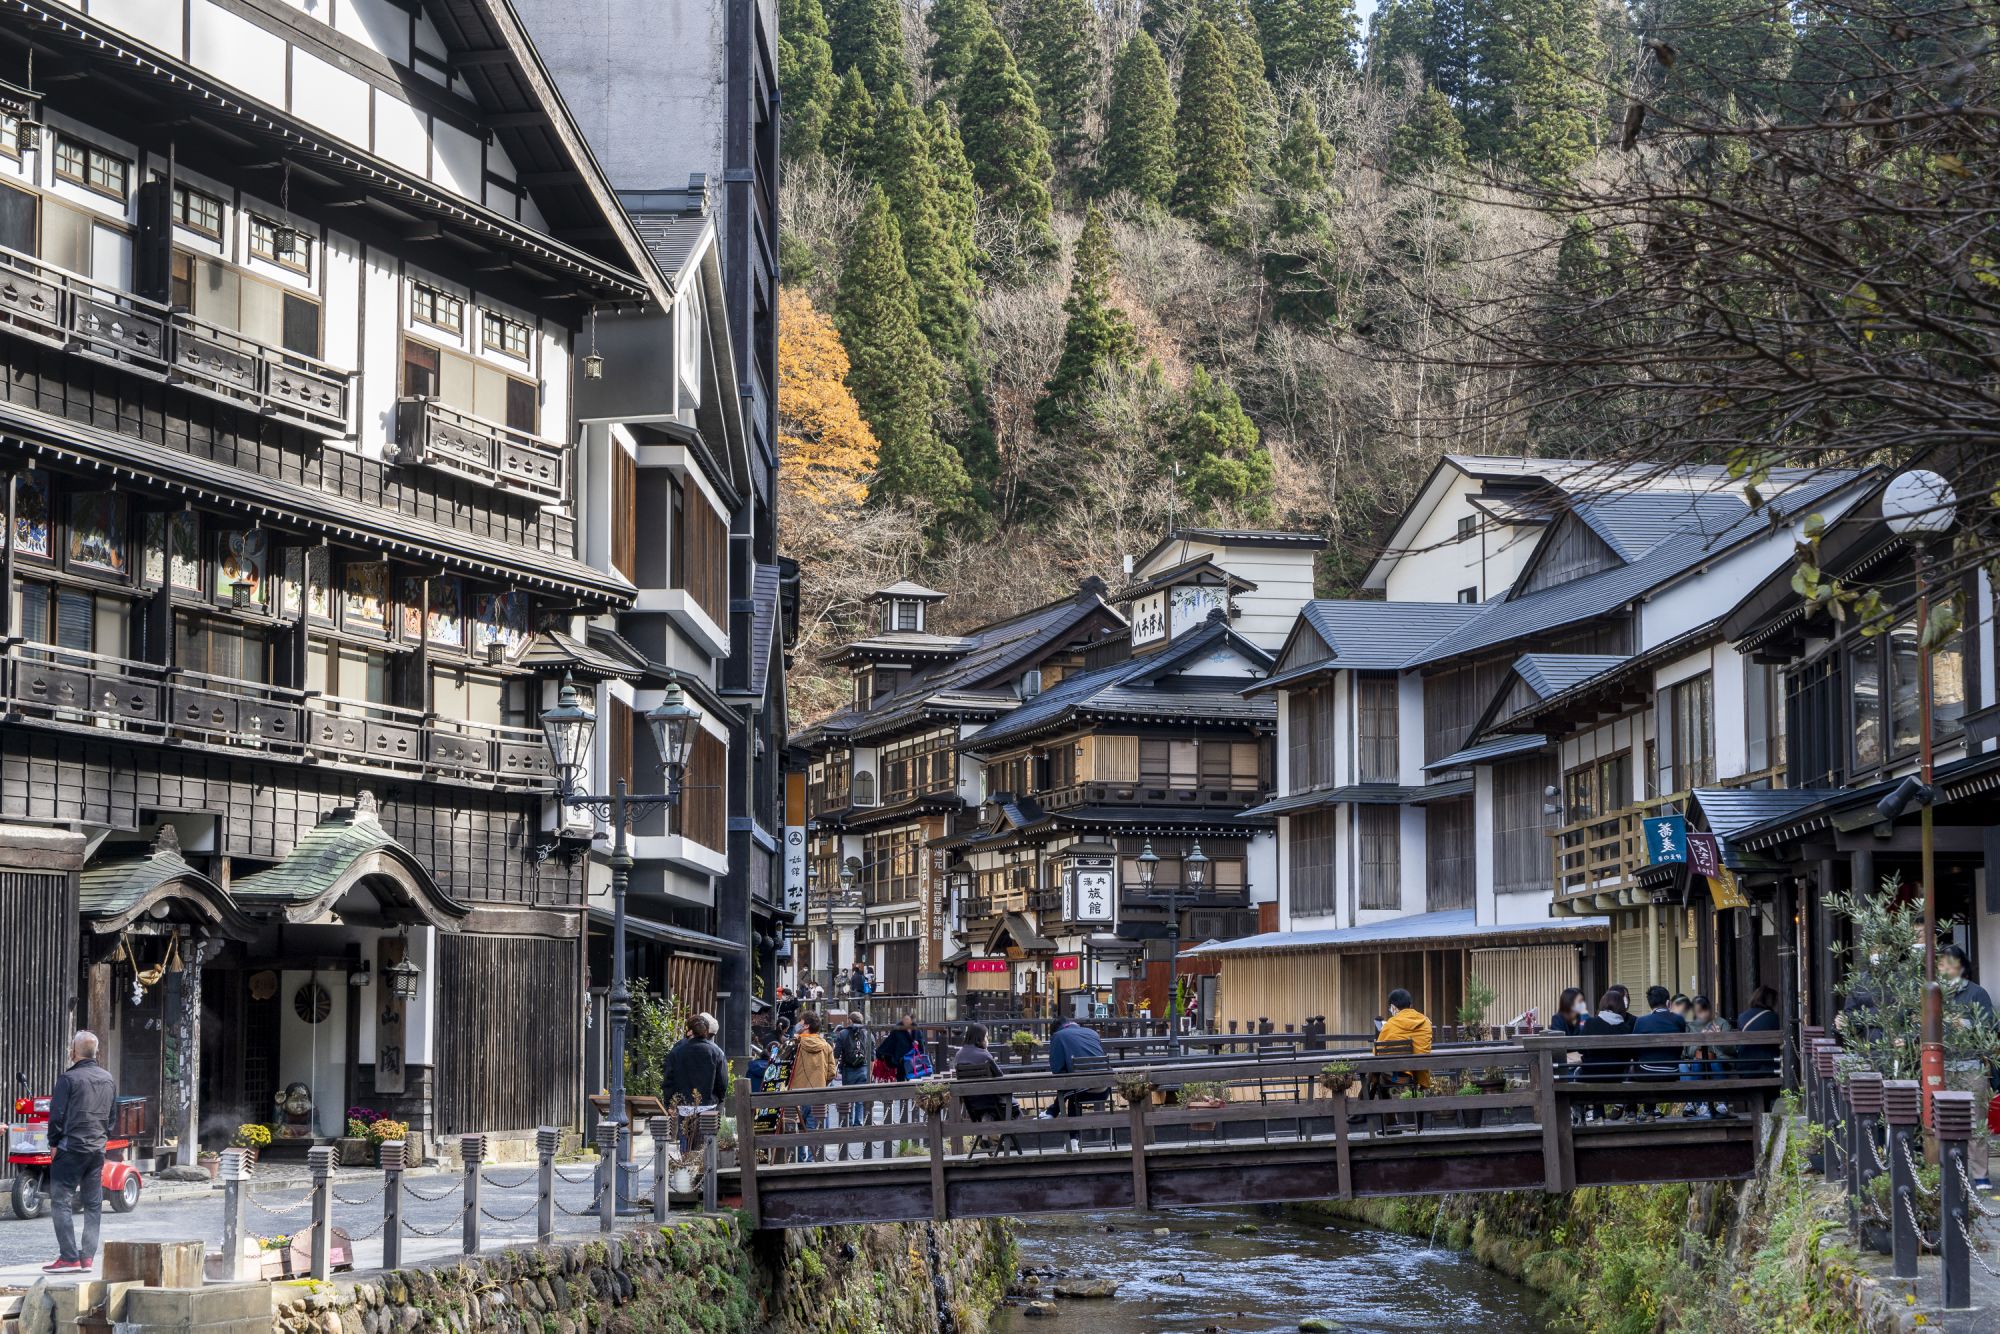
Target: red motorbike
(28, 1153)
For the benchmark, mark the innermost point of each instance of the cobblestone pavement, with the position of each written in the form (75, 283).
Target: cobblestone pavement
(432, 1203)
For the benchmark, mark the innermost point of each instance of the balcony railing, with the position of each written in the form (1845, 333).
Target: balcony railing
(69, 688)
(832, 900)
(1098, 792)
(431, 435)
(52, 305)
(1603, 854)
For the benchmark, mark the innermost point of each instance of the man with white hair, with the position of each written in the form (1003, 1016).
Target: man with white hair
(79, 1122)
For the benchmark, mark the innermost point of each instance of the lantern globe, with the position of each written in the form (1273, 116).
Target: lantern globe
(1919, 503)
(1197, 867)
(675, 723)
(567, 728)
(400, 978)
(1149, 865)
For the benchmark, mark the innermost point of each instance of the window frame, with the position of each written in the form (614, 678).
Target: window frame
(436, 297)
(92, 157)
(488, 318)
(299, 261)
(180, 207)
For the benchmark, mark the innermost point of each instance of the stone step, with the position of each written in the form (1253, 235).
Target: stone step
(202, 1308)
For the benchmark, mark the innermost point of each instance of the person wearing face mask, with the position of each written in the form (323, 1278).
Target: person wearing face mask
(1570, 1012)
(1609, 1064)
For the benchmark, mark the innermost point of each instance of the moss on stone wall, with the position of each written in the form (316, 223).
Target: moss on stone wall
(698, 1276)
(1713, 1258)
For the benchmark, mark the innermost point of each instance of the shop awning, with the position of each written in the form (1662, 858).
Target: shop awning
(1499, 748)
(685, 940)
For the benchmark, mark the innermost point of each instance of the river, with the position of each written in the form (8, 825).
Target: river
(1204, 1275)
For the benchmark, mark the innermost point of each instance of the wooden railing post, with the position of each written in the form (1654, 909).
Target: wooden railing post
(1864, 1119)
(320, 1159)
(392, 1155)
(1137, 1108)
(1558, 1148)
(746, 1150)
(934, 1132)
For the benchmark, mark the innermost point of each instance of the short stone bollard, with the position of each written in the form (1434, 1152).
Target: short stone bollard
(661, 1130)
(607, 1174)
(472, 1154)
(235, 1172)
(1952, 1118)
(1864, 1124)
(320, 1159)
(1902, 1108)
(392, 1156)
(711, 1131)
(548, 1139)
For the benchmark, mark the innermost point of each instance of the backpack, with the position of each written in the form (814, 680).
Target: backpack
(850, 1047)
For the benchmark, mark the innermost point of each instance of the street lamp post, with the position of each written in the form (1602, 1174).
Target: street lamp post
(568, 729)
(1921, 506)
(846, 893)
(1149, 867)
(1196, 874)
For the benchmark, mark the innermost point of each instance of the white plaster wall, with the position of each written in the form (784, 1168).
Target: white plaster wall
(1410, 728)
(1261, 858)
(1439, 564)
(1482, 845)
(1412, 867)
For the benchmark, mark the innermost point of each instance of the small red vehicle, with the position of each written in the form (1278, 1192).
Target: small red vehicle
(28, 1153)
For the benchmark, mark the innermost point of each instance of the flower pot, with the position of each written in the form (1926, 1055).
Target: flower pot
(1205, 1105)
(211, 1163)
(355, 1151)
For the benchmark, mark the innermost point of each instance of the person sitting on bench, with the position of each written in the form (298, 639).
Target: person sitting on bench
(1067, 1042)
(1406, 1023)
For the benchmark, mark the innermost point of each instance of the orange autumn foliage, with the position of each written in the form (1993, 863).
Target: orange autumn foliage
(826, 450)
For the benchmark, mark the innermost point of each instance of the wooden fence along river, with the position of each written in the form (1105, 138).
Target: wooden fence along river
(1280, 1135)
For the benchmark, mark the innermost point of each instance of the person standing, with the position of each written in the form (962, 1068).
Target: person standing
(853, 1050)
(697, 1077)
(80, 1112)
(813, 1067)
(1970, 1005)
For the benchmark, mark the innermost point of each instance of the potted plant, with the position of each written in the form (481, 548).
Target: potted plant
(251, 1136)
(355, 1148)
(1337, 1078)
(383, 1129)
(1022, 1043)
(209, 1161)
(932, 1095)
(1479, 999)
(1136, 1086)
(1204, 1094)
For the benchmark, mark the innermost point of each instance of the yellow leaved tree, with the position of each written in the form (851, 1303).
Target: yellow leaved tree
(826, 451)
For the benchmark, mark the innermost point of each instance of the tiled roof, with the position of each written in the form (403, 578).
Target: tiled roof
(348, 845)
(1361, 794)
(1552, 673)
(1236, 537)
(1499, 748)
(111, 893)
(909, 588)
(992, 652)
(1634, 522)
(1607, 590)
(1130, 688)
(1457, 925)
(554, 651)
(763, 625)
(671, 238)
(1372, 636)
(1204, 563)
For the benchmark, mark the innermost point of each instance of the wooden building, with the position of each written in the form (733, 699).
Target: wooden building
(291, 339)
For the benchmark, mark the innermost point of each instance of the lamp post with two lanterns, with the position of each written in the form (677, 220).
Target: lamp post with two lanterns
(568, 728)
(1195, 874)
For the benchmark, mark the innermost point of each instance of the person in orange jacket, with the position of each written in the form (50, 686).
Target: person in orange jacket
(1406, 1023)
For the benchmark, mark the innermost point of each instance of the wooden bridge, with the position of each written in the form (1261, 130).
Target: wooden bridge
(1512, 1115)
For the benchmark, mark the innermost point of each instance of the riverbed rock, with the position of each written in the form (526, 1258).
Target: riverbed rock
(1039, 1310)
(1246, 1229)
(1087, 1287)
(1317, 1325)
(1176, 1279)
(1163, 1232)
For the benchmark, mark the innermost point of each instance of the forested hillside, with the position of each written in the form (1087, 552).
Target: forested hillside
(1097, 267)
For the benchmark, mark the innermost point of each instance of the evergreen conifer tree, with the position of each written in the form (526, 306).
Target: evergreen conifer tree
(1209, 159)
(1056, 44)
(957, 193)
(1005, 141)
(1222, 460)
(931, 256)
(1548, 133)
(867, 35)
(890, 368)
(956, 27)
(1139, 144)
(1096, 334)
(1301, 36)
(1430, 138)
(1258, 103)
(1302, 254)
(1399, 32)
(806, 80)
(850, 126)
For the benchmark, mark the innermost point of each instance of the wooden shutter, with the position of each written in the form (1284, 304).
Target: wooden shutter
(619, 719)
(624, 513)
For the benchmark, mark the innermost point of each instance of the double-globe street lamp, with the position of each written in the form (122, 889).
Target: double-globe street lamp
(568, 729)
(1194, 873)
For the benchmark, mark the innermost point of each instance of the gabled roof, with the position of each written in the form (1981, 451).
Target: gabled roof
(1187, 571)
(1607, 591)
(348, 847)
(554, 651)
(114, 892)
(1552, 673)
(907, 589)
(676, 241)
(1275, 538)
(986, 658)
(1133, 689)
(1634, 522)
(1365, 635)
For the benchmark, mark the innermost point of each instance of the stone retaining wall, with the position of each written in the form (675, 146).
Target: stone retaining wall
(701, 1274)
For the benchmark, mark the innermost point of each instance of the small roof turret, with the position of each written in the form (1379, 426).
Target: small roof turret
(907, 590)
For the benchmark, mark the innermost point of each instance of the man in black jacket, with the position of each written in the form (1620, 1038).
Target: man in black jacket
(1659, 1064)
(79, 1122)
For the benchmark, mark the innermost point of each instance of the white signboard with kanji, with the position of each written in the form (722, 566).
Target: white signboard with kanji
(1093, 882)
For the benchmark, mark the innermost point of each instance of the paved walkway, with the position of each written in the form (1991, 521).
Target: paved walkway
(281, 1204)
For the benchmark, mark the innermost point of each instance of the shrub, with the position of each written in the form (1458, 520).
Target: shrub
(384, 1130)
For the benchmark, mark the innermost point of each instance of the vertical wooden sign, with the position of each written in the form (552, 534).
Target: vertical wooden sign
(389, 1017)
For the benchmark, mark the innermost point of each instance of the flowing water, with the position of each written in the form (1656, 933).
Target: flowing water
(1205, 1276)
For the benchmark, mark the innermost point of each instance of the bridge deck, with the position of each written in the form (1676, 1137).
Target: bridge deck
(1279, 1137)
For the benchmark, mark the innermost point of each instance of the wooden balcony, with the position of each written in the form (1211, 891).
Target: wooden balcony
(67, 689)
(1096, 792)
(431, 435)
(1598, 859)
(66, 310)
